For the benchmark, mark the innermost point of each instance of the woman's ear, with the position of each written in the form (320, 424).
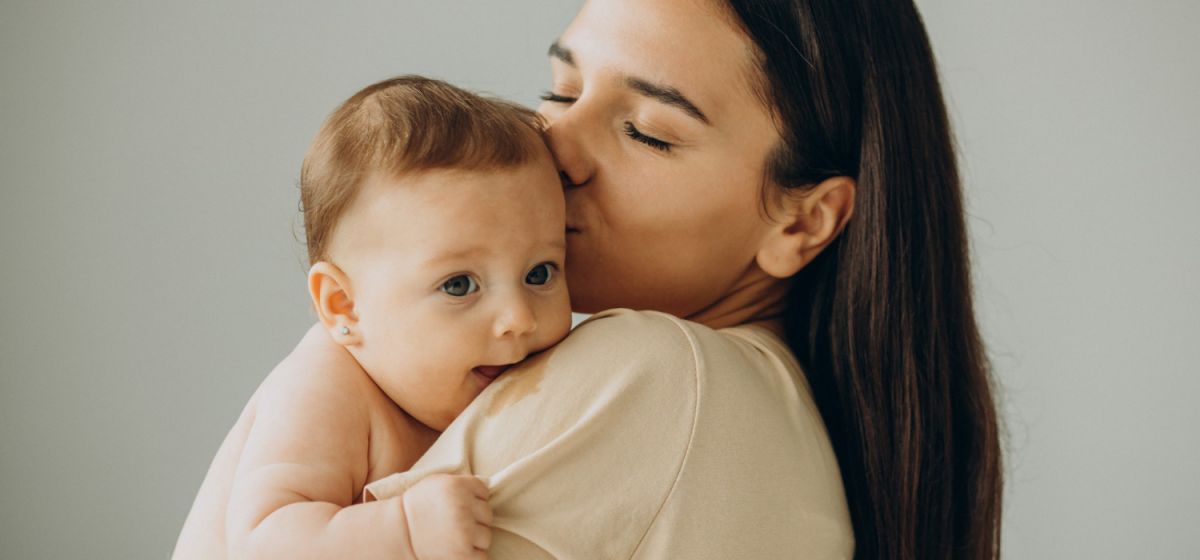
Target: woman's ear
(333, 299)
(811, 221)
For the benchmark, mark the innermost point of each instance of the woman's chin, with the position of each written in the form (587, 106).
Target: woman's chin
(581, 304)
(587, 297)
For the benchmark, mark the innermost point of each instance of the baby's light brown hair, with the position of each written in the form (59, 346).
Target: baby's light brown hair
(406, 125)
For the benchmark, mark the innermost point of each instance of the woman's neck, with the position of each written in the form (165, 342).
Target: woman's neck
(757, 299)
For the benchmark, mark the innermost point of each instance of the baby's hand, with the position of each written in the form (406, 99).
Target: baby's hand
(449, 517)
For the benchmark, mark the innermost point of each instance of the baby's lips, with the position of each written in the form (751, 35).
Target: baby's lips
(492, 372)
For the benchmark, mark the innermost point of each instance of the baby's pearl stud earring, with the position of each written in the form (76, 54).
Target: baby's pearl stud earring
(344, 330)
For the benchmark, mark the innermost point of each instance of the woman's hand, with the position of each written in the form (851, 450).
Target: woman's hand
(449, 517)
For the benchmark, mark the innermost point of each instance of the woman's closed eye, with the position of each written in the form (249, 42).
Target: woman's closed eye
(632, 132)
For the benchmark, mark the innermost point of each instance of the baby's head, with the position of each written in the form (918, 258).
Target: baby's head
(435, 226)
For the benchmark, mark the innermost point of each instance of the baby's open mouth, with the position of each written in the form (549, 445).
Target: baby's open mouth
(491, 372)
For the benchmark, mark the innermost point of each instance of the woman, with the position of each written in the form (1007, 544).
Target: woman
(771, 173)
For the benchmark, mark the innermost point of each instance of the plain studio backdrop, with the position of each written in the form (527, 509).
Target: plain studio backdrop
(150, 272)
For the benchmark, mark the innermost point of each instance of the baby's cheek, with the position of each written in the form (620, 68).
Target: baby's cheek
(430, 335)
(560, 324)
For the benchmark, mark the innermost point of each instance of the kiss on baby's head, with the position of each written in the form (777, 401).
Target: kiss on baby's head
(435, 226)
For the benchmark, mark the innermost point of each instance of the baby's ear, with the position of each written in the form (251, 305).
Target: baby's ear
(333, 299)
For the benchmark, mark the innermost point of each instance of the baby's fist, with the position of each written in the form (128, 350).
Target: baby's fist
(449, 517)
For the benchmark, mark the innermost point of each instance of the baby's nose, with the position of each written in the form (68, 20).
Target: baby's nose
(515, 319)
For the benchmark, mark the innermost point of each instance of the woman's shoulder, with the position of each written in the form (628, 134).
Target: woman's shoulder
(733, 398)
(624, 354)
(630, 326)
(616, 343)
(655, 360)
(652, 340)
(643, 332)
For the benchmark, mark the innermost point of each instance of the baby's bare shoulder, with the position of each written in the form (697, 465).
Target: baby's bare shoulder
(308, 412)
(317, 379)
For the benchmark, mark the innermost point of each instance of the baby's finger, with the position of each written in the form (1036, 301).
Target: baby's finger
(481, 537)
(476, 486)
(482, 511)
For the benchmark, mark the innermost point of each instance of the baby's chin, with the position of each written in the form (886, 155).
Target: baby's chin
(444, 419)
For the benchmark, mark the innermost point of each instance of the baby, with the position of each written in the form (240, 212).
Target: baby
(435, 228)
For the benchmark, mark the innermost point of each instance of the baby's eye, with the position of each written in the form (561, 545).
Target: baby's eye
(540, 275)
(460, 286)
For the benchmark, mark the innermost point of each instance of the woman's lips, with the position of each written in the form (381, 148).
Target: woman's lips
(491, 372)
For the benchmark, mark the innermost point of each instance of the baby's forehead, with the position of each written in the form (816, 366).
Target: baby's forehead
(461, 211)
(470, 190)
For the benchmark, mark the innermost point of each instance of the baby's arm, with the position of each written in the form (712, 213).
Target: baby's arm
(305, 455)
(306, 459)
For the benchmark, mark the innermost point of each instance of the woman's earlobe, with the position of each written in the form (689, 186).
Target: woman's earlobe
(811, 221)
(779, 259)
(333, 301)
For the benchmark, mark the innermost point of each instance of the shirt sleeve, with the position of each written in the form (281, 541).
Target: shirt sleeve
(580, 445)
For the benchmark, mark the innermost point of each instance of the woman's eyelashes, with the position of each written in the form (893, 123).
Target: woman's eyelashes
(632, 132)
(556, 98)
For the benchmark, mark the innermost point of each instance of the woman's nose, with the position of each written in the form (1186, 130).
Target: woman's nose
(565, 136)
(515, 319)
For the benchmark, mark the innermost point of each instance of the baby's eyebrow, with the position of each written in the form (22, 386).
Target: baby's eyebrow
(456, 255)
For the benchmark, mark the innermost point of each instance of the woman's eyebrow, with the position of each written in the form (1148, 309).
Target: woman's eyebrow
(668, 95)
(562, 53)
(663, 93)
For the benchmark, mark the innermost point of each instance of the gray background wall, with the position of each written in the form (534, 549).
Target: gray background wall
(149, 274)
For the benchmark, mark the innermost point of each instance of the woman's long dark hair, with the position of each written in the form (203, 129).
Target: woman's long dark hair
(883, 321)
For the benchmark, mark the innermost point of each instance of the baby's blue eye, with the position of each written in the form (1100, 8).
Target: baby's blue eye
(540, 275)
(460, 286)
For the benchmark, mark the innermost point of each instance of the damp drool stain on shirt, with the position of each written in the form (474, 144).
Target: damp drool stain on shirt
(519, 383)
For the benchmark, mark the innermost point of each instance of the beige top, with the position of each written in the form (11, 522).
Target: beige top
(646, 436)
